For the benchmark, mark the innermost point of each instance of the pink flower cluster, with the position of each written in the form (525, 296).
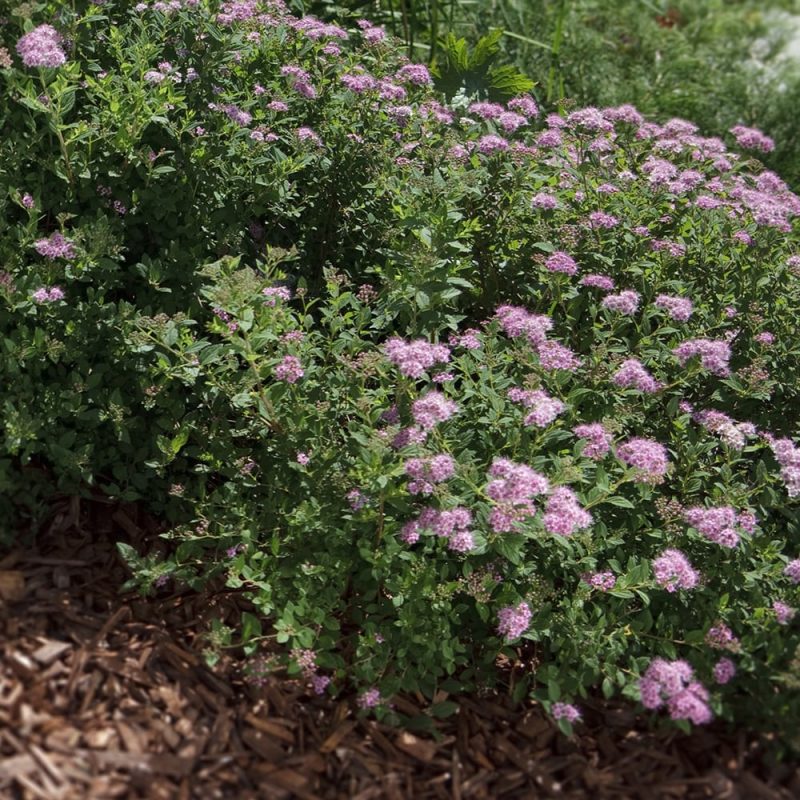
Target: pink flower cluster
(545, 201)
(604, 581)
(306, 660)
(752, 139)
(512, 488)
(453, 525)
(672, 571)
(626, 302)
(633, 375)
(357, 499)
(765, 337)
(524, 104)
(408, 436)
(783, 613)
(369, 699)
(561, 262)
(553, 355)
(565, 711)
(679, 308)
(289, 370)
(416, 74)
(788, 456)
(602, 282)
(515, 321)
(564, 514)
(792, 570)
(41, 47)
(45, 295)
(648, 457)
(299, 80)
(358, 82)
(721, 637)
(431, 409)
(513, 621)
(724, 670)
(714, 354)
(598, 440)
(600, 219)
(671, 683)
(427, 471)
(415, 357)
(543, 408)
(468, 340)
(716, 524)
(55, 246)
(275, 293)
(733, 434)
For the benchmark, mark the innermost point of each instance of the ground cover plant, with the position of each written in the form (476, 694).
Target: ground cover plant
(438, 383)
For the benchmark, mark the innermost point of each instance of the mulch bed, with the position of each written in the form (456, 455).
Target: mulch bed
(106, 695)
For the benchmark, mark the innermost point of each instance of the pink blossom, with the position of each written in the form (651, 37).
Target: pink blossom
(783, 612)
(565, 711)
(553, 355)
(432, 408)
(633, 375)
(415, 357)
(716, 524)
(752, 139)
(605, 581)
(792, 571)
(41, 47)
(714, 354)
(626, 302)
(598, 440)
(564, 514)
(560, 261)
(647, 456)
(428, 471)
(524, 104)
(416, 74)
(765, 337)
(369, 699)
(671, 683)
(55, 246)
(289, 370)
(513, 621)
(543, 408)
(724, 670)
(673, 571)
(512, 488)
(602, 282)
(516, 321)
(679, 308)
(275, 293)
(545, 201)
(721, 637)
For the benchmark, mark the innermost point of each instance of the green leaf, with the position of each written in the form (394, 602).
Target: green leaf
(251, 626)
(444, 709)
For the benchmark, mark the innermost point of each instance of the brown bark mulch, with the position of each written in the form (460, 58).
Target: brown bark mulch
(107, 695)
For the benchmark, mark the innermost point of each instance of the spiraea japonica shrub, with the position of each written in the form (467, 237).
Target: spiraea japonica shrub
(433, 382)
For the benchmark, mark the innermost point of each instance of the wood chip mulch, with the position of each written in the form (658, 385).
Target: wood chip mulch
(107, 695)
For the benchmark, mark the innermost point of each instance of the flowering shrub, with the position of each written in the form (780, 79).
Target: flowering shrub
(321, 320)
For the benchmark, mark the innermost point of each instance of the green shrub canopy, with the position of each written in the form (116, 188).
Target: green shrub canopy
(434, 382)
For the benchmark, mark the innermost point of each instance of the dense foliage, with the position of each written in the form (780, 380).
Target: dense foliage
(715, 62)
(435, 382)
